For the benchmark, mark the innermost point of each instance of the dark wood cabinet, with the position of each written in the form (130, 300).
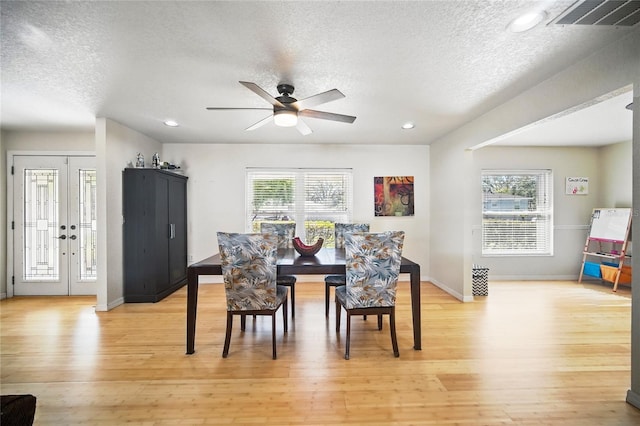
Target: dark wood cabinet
(155, 233)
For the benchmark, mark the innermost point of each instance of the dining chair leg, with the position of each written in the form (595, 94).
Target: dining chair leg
(243, 322)
(327, 293)
(293, 301)
(380, 322)
(285, 316)
(227, 337)
(392, 326)
(338, 312)
(347, 343)
(273, 333)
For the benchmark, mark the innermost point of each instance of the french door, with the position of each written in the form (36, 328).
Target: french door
(54, 225)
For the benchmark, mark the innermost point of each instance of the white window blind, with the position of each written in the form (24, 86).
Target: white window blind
(315, 199)
(517, 212)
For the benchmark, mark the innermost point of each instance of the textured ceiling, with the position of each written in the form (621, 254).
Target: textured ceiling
(438, 64)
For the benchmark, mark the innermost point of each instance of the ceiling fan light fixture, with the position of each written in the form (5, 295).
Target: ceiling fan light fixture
(285, 118)
(286, 108)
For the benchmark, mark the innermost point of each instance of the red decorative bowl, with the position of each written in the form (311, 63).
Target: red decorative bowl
(305, 250)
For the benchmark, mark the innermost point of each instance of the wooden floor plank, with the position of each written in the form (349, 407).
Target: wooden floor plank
(530, 353)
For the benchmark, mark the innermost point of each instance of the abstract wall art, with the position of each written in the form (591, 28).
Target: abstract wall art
(393, 196)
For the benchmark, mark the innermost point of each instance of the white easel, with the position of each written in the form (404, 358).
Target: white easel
(607, 244)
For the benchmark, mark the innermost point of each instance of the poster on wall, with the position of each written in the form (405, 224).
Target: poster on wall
(393, 195)
(577, 186)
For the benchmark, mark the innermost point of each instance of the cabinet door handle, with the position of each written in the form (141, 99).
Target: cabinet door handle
(172, 231)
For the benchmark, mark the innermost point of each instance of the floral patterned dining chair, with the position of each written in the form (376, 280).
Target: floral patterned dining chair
(248, 264)
(336, 279)
(285, 232)
(372, 270)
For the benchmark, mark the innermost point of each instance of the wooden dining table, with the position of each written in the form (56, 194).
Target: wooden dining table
(327, 261)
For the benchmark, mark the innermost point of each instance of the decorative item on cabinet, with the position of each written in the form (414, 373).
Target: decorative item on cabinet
(154, 233)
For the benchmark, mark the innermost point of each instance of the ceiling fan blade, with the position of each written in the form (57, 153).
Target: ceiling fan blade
(260, 123)
(327, 116)
(234, 109)
(315, 100)
(303, 128)
(262, 93)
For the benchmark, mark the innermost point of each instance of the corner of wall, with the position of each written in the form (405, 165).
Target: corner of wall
(3, 218)
(116, 148)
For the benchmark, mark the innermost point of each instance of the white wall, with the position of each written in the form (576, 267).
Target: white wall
(216, 181)
(571, 212)
(116, 148)
(451, 248)
(616, 174)
(633, 395)
(613, 67)
(216, 188)
(616, 170)
(452, 194)
(48, 141)
(3, 219)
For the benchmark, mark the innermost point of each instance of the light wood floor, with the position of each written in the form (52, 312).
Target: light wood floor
(531, 353)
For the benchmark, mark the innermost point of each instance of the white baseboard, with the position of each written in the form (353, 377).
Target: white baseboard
(110, 306)
(450, 291)
(533, 277)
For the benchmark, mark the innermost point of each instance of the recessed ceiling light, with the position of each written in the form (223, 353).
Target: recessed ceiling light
(171, 123)
(407, 126)
(527, 21)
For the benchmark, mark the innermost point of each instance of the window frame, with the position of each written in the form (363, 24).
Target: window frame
(299, 210)
(542, 234)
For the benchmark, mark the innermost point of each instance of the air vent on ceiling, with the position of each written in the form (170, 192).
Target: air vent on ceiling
(601, 12)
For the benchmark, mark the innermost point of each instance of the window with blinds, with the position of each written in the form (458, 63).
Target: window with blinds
(517, 212)
(315, 199)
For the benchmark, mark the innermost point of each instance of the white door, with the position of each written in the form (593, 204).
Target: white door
(54, 225)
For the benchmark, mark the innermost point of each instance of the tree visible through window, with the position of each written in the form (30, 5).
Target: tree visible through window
(517, 212)
(315, 199)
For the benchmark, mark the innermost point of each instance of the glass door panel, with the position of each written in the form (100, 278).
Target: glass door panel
(40, 237)
(41, 222)
(55, 230)
(82, 225)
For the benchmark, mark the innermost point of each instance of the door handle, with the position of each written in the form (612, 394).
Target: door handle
(61, 237)
(172, 231)
(73, 237)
